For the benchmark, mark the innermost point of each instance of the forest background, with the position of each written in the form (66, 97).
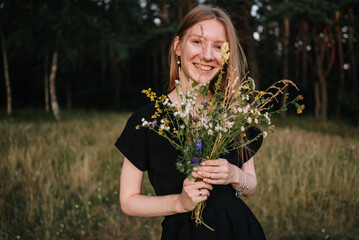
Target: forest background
(99, 54)
(71, 72)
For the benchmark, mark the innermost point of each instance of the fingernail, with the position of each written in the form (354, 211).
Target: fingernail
(203, 163)
(195, 168)
(204, 179)
(199, 172)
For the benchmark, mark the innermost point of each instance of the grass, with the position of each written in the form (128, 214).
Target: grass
(60, 180)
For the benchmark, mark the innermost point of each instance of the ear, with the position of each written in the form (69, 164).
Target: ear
(176, 46)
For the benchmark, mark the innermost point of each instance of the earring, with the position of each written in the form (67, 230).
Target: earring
(179, 64)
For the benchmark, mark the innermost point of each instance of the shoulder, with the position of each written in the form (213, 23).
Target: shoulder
(255, 135)
(253, 132)
(145, 112)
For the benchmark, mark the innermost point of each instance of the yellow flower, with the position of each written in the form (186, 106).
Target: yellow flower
(261, 93)
(300, 109)
(224, 53)
(162, 98)
(300, 97)
(272, 127)
(160, 131)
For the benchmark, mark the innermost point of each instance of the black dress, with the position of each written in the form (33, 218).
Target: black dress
(228, 215)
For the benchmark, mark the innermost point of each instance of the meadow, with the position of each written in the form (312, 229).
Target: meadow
(60, 180)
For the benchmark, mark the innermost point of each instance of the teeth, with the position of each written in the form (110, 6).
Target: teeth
(202, 67)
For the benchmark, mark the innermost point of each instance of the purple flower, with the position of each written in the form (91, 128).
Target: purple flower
(195, 160)
(199, 145)
(154, 123)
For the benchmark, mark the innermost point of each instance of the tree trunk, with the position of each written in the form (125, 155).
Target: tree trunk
(155, 69)
(53, 98)
(317, 100)
(321, 47)
(116, 76)
(163, 43)
(285, 60)
(164, 61)
(190, 4)
(319, 56)
(180, 11)
(304, 30)
(46, 80)
(247, 34)
(297, 52)
(252, 51)
(324, 96)
(353, 65)
(68, 93)
(103, 71)
(6, 73)
(341, 66)
(164, 13)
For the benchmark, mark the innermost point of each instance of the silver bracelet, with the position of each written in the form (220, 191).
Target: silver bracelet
(239, 192)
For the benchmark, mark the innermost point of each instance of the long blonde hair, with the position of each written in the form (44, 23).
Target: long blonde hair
(237, 63)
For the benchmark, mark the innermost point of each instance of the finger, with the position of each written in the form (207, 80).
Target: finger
(215, 162)
(214, 181)
(202, 184)
(205, 170)
(196, 175)
(203, 192)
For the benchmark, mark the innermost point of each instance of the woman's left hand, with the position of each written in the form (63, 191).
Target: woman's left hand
(218, 171)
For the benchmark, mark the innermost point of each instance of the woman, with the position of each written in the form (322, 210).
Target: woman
(195, 54)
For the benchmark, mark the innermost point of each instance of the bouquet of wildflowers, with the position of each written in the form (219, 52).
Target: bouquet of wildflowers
(206, 129)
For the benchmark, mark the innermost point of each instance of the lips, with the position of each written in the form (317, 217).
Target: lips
(203, 67)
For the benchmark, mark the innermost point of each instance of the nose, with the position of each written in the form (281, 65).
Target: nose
(208, 53)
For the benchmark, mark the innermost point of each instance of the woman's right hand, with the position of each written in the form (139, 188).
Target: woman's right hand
(193, 193)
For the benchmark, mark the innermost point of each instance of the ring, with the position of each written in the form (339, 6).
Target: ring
(200, 192)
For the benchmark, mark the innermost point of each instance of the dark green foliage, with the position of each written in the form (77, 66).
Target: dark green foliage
(110, 50)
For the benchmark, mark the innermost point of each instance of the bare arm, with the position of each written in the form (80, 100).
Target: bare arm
(135, 204)
(248, 168)
(220, 171)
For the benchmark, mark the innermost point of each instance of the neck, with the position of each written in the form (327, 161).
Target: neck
(184, 87)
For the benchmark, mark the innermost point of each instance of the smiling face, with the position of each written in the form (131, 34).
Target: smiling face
(201, 61)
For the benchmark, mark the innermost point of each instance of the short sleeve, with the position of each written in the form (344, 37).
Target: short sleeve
(241, 155)
(133, 143)
(253, 147)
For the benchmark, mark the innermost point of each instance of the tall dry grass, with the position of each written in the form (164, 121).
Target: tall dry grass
(61, 181)
(308, 185)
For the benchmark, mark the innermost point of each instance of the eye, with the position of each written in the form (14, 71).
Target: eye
(197, 41)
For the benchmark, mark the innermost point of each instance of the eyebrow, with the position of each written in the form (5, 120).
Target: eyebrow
(194, 35)
(199, 36)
